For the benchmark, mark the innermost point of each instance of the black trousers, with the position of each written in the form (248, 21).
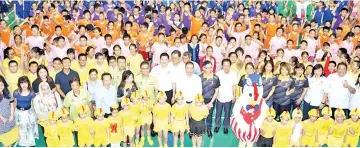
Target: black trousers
(279, 109)
(169, 95)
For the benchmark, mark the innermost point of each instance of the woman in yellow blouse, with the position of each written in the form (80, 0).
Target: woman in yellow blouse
(116, 131)
(179, 118)
(66, 128)
(51, 131)
(283, 131)
(100, 126)
(324, 124)
(128, 119)
(161, 116)
(353, 134)
(146, 117)
(83, 125)
(337, 132)
(197, 113)
(310, 131)
(135, 108)
(267, 129)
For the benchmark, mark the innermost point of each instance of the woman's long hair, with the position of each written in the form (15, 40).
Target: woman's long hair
(5, 91)
(126, 75)
(48, 78)
(23, 79)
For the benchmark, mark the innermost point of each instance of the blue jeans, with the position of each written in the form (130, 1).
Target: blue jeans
(209, 117)
(306, 108)
(227, 109)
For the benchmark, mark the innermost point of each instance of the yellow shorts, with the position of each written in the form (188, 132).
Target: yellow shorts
(335, 141)
(10, 137)
(146, 119)
(352, 141)
(161, 125)
(101, 142)
(178, 125)
(84, 140)
(67, 141)
(53, 142)
(308, 141)
(322, 139)
(129, 131)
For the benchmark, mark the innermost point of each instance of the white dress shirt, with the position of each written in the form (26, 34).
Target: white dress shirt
(190, 86)
(355, 99)
(227, 81)
(315, 92)
(164, 77)
(338, 95)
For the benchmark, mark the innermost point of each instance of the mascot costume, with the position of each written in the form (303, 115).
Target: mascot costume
(249, 112)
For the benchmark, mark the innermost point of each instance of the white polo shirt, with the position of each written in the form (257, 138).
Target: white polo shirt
(338, 95)
(315, 92)
(227, 81)
(164, 77)
(189, 86)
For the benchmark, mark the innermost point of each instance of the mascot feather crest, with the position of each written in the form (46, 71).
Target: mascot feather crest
(249, 111)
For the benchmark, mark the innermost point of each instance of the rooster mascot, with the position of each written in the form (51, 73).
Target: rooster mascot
(249, 112)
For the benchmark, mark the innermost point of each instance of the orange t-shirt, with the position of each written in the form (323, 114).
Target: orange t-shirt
(17, 50)
(294, 36)
(118, 26)
(5, 35)
(83, 22)
(196, 24)
(58, 19)
(101, 24)
(356, 41)
(48, 30)
(323, 39)
(80, 49)
(134, 35)
(271, 29)
(114, 34)
(27, 29)
(143, 38)
(135, 27)
(67, 29)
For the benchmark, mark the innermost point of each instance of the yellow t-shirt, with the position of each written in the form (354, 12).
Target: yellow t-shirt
(128, 118)
(12, 79)
(91, 62)
(39, 61)
(102, 69)
(53, 73)
(198, 113)
(100, 128)
(134, 63)
(115, 129)
(50, 131)
(179, 112)
(161, 111)
(355, 126)
(83, 74)
(268, 128)
(65, 129)
(32, 77)
(339, 130)
(135, 108)
(83, 126)
(74, 64)
(324, 125)
(310, 128)
(146, 107)
(282, 134)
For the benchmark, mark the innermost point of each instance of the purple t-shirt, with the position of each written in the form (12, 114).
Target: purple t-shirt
(338, 21)
(187, 21)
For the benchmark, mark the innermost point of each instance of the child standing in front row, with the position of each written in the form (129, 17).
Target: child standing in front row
(197, 115)
(135, 108)
(51, 132)
(66, 127)
(161, 118)
(297, 127)
(352, 138)
(83, 125)
(116, 131)
(267, 129)
(283, 131)
(337, 132)
(179, 118)
(101, 132)
(129, 119)
(146, 117)
(324, 123)
(310, 131)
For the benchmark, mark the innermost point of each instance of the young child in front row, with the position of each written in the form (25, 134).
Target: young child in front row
(353, 134)
(283, 131)
(324, 124)
(337, 132)
(197, 114)
(66, 128)
(310, 131)
(129, 119)
(51, 132)
(161, 118)
(135, 108)
(179, 118)
(101, 132)
(267, 129)
(298, 127)
(115, 123)
(146, 118)
(83, 125)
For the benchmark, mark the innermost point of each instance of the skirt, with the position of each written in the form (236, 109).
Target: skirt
(178, 125)
(7, 139)
(197, 128)
(26, 120)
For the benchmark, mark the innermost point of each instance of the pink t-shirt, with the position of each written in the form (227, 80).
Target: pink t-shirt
(276, 43)
(35, 41)
(182, 49)
(99, 43)
(218, 55)
(252, 50)
(291, 53)
(312, 43)
(349, 46)
(157, 49)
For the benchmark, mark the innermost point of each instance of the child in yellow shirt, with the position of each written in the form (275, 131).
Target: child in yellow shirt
(66, 128)
(135, 108)
(197, 113)
(179, 118)
(324, 124)
(337, 132)
(353, 134)
(146, 117)
(267, 129)
(51, 131)
(283, 131)
(83, 125)
(310, 131)
(297, 127)
(116, 131)
(101, 132)
(129, 119)
(161, 117)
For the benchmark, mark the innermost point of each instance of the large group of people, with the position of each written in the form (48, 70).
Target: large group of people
(118, 72)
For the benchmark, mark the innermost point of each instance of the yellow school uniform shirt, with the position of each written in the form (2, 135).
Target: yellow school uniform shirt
(178, 123)
(53, 73)
(65, 133)
(91, 62)
(83, 74)
(6, 61)
(102, 69)
(12, 79)
(310, 129)
(133, 62)
(323, 130)
(198, 113)
(336, 139)
(100, 129)
(83, 126)
(116, 74)
(145, 112)
(267, 128)
(51, 132)
(282, 135)
(353, 139)
(115, 129)
(74, 64)
(39, 61)
(161, 112)
(128, 119)
(32, 76)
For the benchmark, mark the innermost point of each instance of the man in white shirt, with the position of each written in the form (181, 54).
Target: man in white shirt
(226, 95)
(340, 86)
(164, 77)
(189, 84)
(106, 94)
(178, 67)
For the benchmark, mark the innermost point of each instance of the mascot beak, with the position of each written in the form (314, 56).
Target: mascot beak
(252, 102)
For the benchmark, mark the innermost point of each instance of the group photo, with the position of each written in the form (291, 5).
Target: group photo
(179, 73)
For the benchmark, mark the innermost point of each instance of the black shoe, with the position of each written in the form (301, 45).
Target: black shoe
(216, 130)
(209, 133)
(226, 130)
(153, 134)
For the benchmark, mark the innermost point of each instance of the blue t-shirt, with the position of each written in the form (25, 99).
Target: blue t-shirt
(63, 80)
(24, 101)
